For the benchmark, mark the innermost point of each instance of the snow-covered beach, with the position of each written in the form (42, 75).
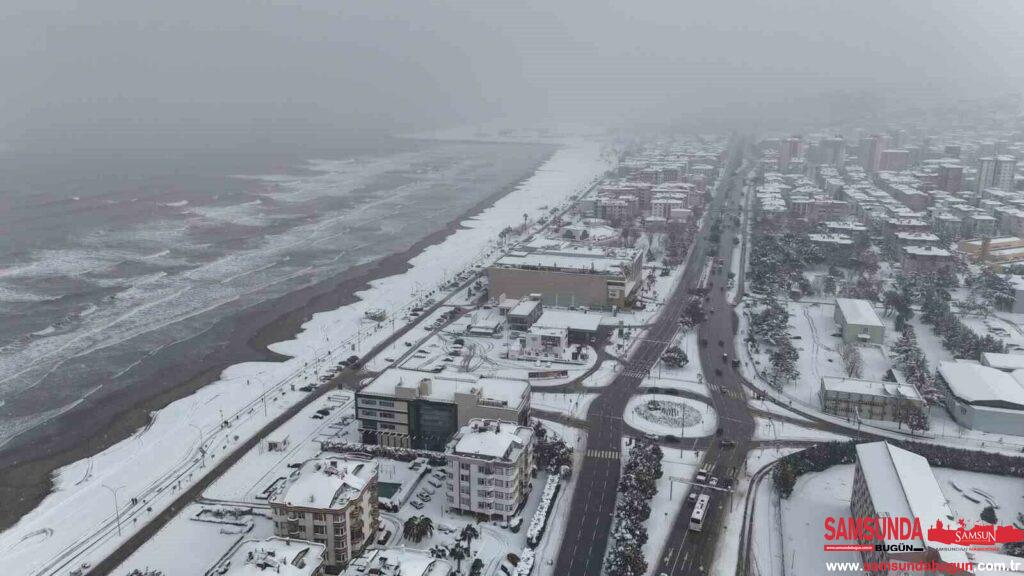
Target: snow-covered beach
(162, 458)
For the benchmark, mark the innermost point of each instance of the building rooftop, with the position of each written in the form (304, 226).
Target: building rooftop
(927, 251)
(491, 439)
(397, 562)
(443, 387)
(840, 239)
(859, 312)
(326, 484)
(584, 321)
(273, 556)
(1006, 362)
(983, 385)
(524, 307)
(870, 387)
(901, 484)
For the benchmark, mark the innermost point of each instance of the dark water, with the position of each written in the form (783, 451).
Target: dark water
(108, 257)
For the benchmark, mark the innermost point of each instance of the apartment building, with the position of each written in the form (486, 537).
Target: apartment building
(489, 465)
(331, 502)
(857, 399)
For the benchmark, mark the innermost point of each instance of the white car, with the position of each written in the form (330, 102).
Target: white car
(417, 504)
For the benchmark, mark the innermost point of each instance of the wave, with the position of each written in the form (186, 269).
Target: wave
(177, 204)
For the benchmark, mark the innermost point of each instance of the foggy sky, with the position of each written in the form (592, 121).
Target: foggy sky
(403, 65)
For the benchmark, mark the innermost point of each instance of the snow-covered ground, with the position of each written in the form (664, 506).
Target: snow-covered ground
(815, 497)
(571, 404)
(76, 521)
(778, 429)
(665, 415)
(604, 374)
(689, 378)
(187, 545)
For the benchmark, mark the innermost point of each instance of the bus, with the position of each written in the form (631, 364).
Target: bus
(700, 509)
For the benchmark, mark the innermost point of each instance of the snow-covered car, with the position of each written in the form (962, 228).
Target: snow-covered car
(713, 481)
(417, 504)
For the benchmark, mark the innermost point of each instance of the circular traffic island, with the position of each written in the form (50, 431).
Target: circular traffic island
(665, 415)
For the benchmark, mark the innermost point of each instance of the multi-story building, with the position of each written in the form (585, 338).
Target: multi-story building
(870, 152)
(833, 151)
(398, 562)
(951, 177)
(858, 322)
(995, 172)
(570, 275)
(408, 409)
(489, 468)
(857, 399)
(273, 557)
(889, 482)
(926, 259)
(332, 502)
(894, 159)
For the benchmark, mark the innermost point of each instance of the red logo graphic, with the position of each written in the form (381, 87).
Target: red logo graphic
(979, 534)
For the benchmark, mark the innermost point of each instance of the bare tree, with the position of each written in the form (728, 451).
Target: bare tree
(852, 360)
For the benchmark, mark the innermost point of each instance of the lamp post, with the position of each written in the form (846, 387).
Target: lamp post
(117, 509)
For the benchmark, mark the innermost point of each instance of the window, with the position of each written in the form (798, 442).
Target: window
(318, 529)
(317, 517)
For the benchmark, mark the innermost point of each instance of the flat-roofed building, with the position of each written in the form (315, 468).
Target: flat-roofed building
(892, 482)
(858, 322)
(489, 465)
(857, 399)
(272, 557)
(984, 398)
(524, 314)
(570, 275)
(329, 501)
(397, 562)
(413, 409)
(925, 259)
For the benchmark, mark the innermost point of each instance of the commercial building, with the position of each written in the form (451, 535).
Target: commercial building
(489, 465)
(524, 314)
(332, 502)
(895, 483)
(858, 322)
(984, 398)
(856, 399)
(570, 275)
(408, 408)
(581, 327)
(272, 557)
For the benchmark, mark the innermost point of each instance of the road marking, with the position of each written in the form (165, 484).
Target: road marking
(604, 454)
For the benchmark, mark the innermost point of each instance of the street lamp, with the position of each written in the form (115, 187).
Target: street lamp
(117, 509)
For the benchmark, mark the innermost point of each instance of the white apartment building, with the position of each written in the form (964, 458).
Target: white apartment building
(331, 502)
(489, 465)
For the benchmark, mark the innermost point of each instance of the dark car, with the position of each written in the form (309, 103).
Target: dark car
(726, 443)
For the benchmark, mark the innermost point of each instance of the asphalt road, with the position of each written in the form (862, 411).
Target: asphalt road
(593, 504)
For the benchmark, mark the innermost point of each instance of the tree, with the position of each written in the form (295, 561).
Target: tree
(477, 569)
(458, 553)
(852, 360)
(416, 528)
(468, 534)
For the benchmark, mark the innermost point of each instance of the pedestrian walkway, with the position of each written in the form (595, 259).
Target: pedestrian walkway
(605, 454)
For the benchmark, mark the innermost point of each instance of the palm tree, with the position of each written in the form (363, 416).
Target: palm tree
(416, 528)
(458, 553)
(468, 534)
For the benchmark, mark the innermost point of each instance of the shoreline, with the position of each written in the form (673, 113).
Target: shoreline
(26, 475)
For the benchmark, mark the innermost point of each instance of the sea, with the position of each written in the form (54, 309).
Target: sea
(110, 255)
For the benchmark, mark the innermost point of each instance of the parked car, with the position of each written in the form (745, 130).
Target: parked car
(416, 504)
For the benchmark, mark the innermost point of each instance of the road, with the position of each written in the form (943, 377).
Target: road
(593, 504)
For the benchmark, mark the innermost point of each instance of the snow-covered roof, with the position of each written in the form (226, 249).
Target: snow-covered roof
(1005, 362)
(326, 484)
(571, 319)
(443, 387)
(524, 307)
(841, 239)
(870, 388)
(983, 385)
(927, 251)
(859, 312)
(901, 484)
(491, 439)
(397, 562)
(276, 556)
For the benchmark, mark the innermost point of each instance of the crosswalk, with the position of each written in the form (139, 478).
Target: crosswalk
(605, 454)
(638, 374)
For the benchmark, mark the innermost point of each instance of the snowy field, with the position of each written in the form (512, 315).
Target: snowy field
(665, 415)
(815, 497)
(778, 429)
(205, 541)
(160, 460)
(574, 405)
